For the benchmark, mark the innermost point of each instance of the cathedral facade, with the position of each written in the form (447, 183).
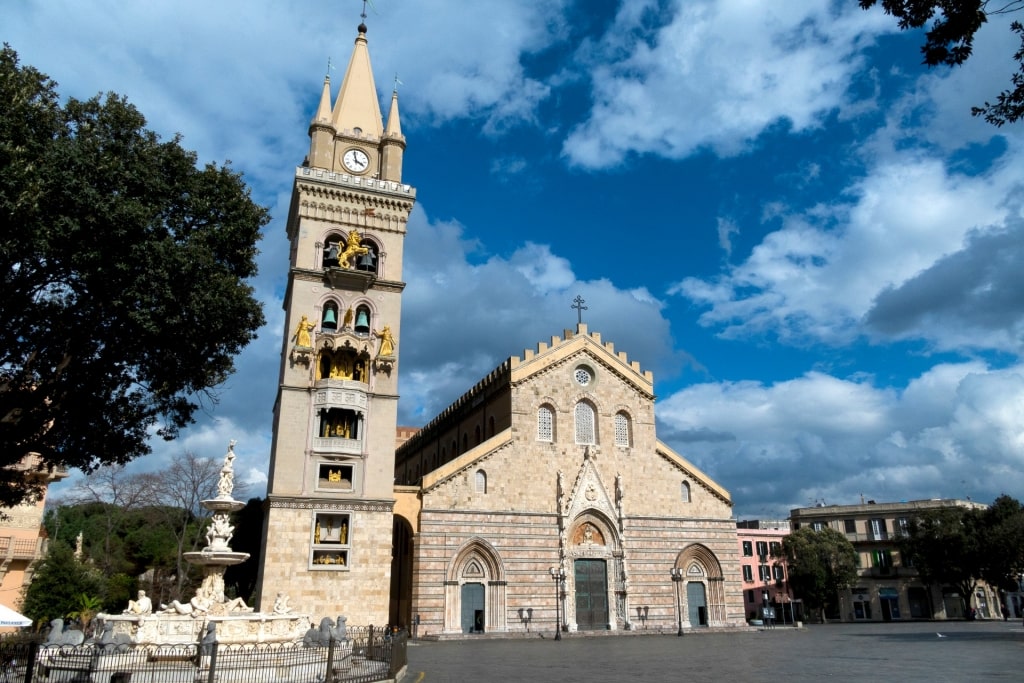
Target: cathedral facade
(547, 479)
(541, 496)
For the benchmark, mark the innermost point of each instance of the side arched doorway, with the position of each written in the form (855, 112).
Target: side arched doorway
(474, 595)
(705, 587)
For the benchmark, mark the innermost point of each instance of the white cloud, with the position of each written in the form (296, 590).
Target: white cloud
(819, 275)
(955, 430)
(717, 75)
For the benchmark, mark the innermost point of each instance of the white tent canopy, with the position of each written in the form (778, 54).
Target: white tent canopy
(9, 617)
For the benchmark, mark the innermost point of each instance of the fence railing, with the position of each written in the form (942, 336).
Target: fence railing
(365, 655)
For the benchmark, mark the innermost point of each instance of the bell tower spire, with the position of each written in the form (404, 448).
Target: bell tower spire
(330, 488)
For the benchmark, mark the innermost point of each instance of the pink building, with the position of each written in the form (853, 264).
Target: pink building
(764, 571)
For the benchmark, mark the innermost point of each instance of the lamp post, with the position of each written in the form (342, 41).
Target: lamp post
(677, 578)
(558, 575)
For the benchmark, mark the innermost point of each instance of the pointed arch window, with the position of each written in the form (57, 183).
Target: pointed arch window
(586, 427)
(332, 247)
(545, 424)
(623, 436)
(481, 481)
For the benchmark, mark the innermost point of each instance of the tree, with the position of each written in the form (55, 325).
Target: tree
(1003, 543)
(945, 546)
(821, 563)
(58, 585)
(949, 41)
(124, 267)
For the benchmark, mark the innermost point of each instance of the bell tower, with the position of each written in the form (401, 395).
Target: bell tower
(328, 527)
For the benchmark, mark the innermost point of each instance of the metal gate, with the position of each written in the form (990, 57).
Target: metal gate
(472, 608)
(591, 595)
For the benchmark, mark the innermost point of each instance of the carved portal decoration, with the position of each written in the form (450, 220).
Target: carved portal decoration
(588, 534)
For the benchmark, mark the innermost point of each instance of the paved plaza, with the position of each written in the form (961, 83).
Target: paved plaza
(906, 652)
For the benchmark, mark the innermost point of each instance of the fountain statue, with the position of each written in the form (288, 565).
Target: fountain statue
(234, 621)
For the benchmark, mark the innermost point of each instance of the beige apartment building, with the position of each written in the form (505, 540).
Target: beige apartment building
(887, 588)
(22, 539)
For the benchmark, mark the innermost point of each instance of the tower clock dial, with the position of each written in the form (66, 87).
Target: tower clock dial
(356, 160)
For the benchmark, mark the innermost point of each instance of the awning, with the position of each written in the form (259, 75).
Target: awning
(9, 617)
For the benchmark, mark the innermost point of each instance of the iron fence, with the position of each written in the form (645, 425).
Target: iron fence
(364, 655)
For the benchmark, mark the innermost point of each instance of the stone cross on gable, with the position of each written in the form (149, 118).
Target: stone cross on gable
(577, 303)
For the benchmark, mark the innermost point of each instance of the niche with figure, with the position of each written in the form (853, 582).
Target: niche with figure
(331, 541)
(335, 476)
(343, 363)
(339, 423)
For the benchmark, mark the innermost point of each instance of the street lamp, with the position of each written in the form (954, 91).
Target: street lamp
(677, 578)
(558, 575)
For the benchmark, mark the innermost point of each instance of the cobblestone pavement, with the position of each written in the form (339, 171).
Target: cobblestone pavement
(905, 652)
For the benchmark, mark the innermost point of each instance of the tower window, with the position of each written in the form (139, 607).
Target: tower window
(329, 319)
(586, 432)
(362, 324)
(331, 541)
(481, 481)
(339, 423)
(684, 492)
(367, 262)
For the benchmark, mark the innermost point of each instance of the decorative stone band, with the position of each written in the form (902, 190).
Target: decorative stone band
(341, 505)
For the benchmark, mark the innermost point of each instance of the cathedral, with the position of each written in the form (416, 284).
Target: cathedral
(541, 496)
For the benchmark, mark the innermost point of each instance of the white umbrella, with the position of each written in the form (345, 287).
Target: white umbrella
(9, 617)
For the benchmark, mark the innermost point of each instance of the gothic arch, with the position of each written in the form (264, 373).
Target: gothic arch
(476, 562)
(592, 535)
(700, 565)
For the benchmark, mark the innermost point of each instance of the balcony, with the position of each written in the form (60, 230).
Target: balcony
(335, 444)
(14, 548)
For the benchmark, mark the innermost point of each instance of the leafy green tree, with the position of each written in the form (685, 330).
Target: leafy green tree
(1003, 540)
(949, 41)
(945, 546)
(821, 563)
(58, 584)
(124, 266)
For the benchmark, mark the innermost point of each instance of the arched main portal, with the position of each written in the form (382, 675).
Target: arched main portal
(595, 598)
(704, 599)
(474, 596)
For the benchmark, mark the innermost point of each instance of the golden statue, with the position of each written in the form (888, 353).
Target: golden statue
(333, 475)
(352, 249)
(348, 318)
(387, 341)
(316, 533)
(302, 336)
(344, 533)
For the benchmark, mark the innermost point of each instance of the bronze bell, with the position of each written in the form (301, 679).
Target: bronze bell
(362, 322)
(330, 321)
(367, 262)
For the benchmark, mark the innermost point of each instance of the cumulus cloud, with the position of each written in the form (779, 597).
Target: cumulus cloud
(818, 276)
(717, 75)
(953, 431)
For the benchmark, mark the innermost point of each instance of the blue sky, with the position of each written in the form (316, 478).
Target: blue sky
(771, 205)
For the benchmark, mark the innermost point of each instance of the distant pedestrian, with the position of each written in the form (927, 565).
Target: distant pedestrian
(1006, 613)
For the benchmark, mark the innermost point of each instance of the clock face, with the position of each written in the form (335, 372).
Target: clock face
(356, 160)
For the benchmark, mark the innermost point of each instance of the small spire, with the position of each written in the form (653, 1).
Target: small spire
(394, 127)
(323, 111)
